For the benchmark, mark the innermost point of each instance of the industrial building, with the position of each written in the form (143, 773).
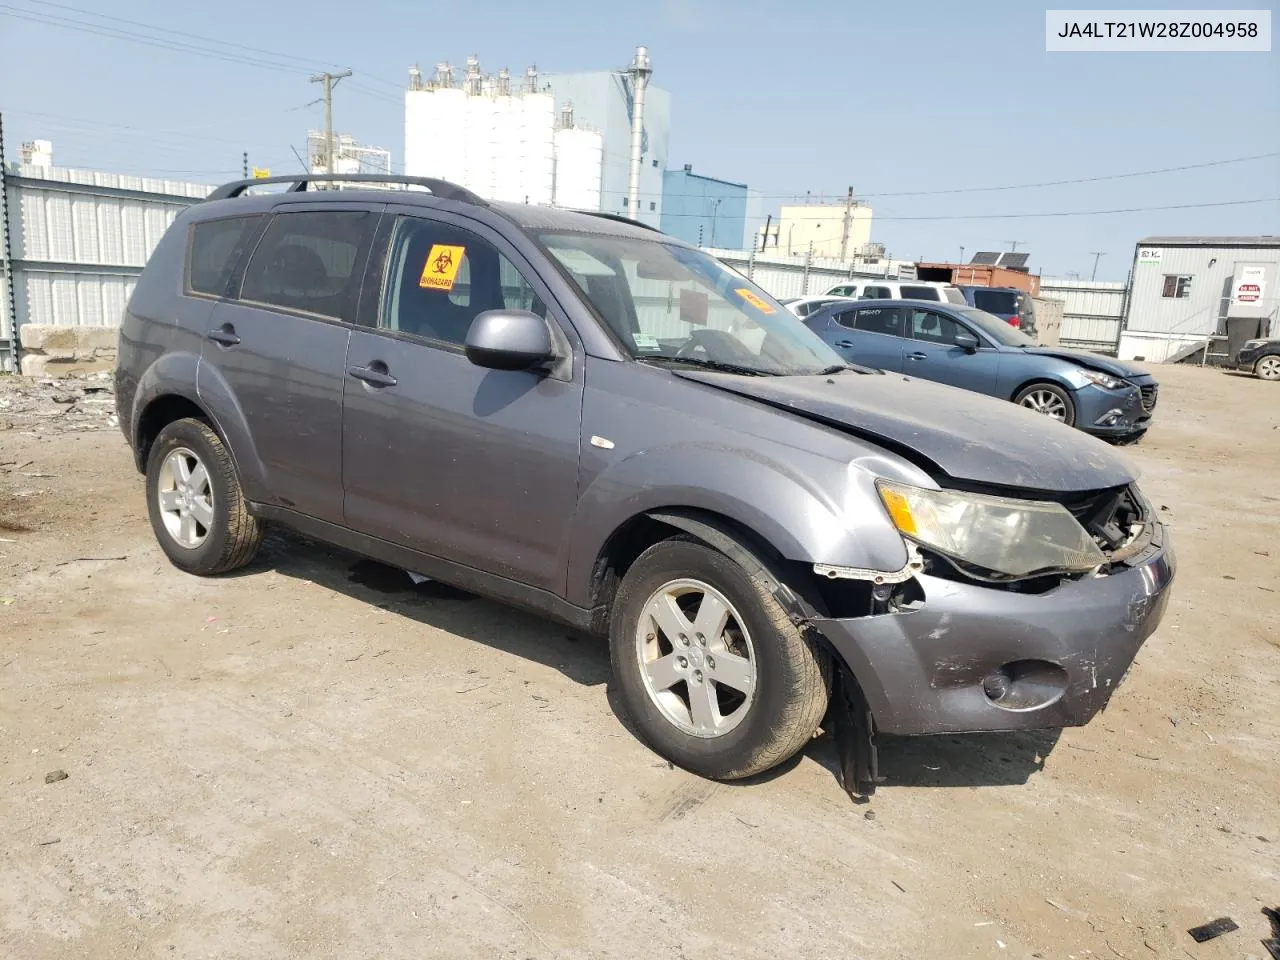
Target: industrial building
(709, 212)
(1192, 293)
(349, 156)
(593, 141)
(837, 231)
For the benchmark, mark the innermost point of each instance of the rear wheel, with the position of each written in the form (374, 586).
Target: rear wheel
(710, 667)
(197, 511)
(1268, 367)
(1050, 399)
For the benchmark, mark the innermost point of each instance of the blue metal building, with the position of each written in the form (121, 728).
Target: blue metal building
(705, 210)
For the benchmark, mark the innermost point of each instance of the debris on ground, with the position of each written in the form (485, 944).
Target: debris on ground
(45, 405)
(1213, 929)
(55, 775)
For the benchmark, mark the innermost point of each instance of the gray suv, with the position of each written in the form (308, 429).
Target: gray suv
(579, 415)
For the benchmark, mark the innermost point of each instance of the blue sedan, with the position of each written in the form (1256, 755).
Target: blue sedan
(969, 348)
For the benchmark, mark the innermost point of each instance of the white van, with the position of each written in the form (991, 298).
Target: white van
(876, 289)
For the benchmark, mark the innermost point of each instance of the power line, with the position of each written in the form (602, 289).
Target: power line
(306, 62)
(1055, 213)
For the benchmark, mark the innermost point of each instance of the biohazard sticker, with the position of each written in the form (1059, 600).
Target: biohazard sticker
(441, 268)
(754, 300)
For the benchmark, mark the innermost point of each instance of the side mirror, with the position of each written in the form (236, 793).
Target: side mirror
(966, 341)
(509, 340)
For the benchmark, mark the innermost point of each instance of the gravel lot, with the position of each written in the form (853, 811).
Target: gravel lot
(314, 758)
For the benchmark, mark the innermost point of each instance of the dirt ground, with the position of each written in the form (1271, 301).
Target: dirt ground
(314, 758)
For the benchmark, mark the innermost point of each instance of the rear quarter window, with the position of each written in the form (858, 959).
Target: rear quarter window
(310, 261)
(214, 250)
(919, 293)
(996, 301)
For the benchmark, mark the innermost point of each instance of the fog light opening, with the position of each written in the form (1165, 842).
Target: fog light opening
(1025, 685)
(1110, 418)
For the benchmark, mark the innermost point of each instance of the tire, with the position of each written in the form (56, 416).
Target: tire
(790, 672)
(1044, 397)
(200, 522)
(1268, 367)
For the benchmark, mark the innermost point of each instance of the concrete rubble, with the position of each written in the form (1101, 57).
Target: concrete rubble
(43, 405)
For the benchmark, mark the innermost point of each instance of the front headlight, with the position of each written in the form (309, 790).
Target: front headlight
(1103, 379)
(1013, 538)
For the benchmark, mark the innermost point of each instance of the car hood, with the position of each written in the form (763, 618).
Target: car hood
(967, 436)
(1091, 360)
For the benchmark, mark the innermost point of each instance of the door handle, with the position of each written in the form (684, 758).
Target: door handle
(375, 375)
(225, 335)
(847, 344)
(917, 356)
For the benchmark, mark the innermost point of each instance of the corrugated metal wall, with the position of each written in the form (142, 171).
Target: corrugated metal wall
(1093, 311)
(80, 239)
(784, 277)
(1210, 270)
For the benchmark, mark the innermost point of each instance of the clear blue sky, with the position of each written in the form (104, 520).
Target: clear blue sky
(788, 97)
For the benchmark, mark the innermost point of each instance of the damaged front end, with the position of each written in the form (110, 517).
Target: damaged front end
(980, 631)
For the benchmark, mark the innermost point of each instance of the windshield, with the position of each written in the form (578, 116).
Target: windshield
(674, 303)
(995, 328)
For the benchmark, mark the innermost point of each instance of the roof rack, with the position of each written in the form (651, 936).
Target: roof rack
(439, 188)
(620, 219)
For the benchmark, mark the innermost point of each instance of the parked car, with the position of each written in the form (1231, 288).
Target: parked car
(1259, 357)
(579, 415)
(1015, 307)
(803, 306)
(974, 350)
(898, 290)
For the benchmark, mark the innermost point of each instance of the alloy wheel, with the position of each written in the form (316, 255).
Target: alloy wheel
(696, 658)
(185, 498)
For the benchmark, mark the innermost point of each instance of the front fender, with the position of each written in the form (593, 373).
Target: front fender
(771, 500)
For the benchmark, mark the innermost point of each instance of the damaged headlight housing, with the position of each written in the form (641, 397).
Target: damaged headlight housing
(1104, 380)
(1009, 538)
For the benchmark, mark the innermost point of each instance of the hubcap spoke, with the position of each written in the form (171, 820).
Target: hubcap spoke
(199, 478)
(181, 467)
(734, 672)
(703, 706)
(202, 511)
(670, 619)
(187, 529)
(711, 619)
(665, 672)
(169, 500)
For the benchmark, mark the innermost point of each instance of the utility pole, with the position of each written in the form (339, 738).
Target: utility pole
(962, 253)
(848, 219)
(329, 80)
(1013, 245)
(1097, 255)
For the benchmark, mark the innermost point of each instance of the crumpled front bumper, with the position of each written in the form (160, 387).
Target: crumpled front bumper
(923, 671)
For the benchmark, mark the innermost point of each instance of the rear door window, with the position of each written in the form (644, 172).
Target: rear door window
(882, 320)
(919, 293)
(877, 293)
(310, 262)
(999, 302)
(953, 295)
(215, 249)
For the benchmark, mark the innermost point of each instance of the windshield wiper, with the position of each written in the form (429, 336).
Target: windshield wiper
(719, 365)
(838, 367)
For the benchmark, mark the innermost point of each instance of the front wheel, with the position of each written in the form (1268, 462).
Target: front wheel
(710, 667)
(1268, 368)
(1051, 400)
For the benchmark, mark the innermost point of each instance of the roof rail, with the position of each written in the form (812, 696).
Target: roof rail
(620, 219)
(439, 188)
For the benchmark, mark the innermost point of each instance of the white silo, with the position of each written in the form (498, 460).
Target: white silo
(579, 165)
(538, 134)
